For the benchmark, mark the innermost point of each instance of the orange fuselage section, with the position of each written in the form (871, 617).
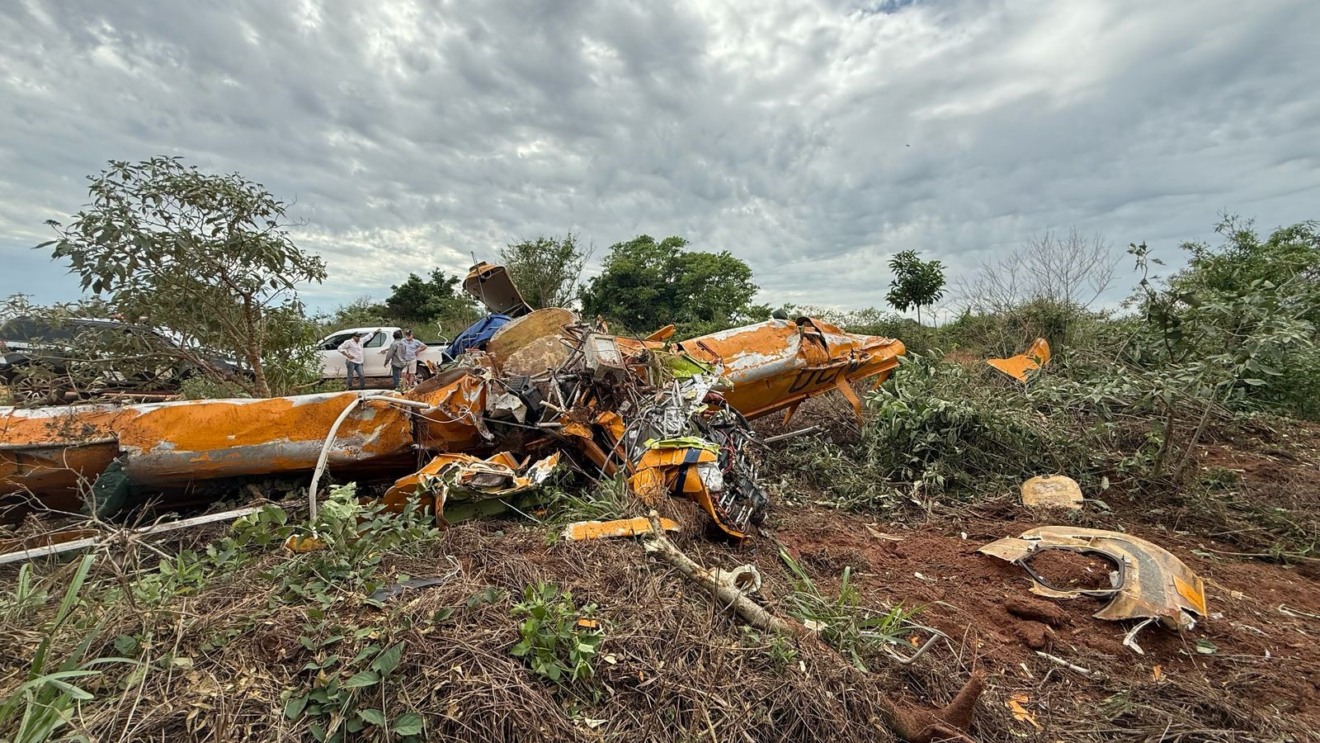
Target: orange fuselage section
(777, 364)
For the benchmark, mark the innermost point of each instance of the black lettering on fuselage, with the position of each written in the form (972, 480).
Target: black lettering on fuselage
(822, 376)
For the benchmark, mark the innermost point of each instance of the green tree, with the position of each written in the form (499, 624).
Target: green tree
(545, 270)
(205, 255)
(439, 299)
(1288, 258)
(646, 285)
(1203, 348)
(1246, 310)
(916, 283)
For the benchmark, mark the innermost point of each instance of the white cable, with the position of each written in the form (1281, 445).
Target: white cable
(322, 460)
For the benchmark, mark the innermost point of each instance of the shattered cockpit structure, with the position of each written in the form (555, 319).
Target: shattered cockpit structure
(534, 391)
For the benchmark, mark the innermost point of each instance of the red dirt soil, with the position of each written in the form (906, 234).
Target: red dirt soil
(1261, 637)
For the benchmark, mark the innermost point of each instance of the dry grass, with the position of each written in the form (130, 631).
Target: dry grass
(223, 661)
(672, 667)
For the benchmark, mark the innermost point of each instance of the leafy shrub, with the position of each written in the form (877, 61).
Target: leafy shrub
(1013, 329)
(559, 642)
(938, 428)
(354, 539)
(341, 704)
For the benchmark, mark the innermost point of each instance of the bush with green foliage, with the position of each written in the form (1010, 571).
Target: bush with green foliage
(963, 428)
(1126, 396)
(916, 283)
(1251, 306)
(437, 300)
(87, 359)
(546, 270)
(207, 256)
(554, 642)
(645, 285)
(355, 538)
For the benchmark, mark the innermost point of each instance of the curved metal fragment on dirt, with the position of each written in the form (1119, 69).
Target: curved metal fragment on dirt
(1151, 583)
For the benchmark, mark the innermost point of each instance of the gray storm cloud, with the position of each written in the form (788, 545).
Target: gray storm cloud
(812, 140)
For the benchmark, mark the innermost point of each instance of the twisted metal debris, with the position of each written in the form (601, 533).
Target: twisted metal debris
(670, 417)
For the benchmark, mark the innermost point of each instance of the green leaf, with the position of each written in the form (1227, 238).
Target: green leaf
(125, 644)
(1205, 647)
(408, 724)
(294, 707)
(387, 661)
(74, 692)
(373, 716)
(362, 679)
(364, 652)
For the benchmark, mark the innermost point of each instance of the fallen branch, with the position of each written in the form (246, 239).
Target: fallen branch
(914, 725)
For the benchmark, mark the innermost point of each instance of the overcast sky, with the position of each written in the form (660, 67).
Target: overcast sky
(811, 139)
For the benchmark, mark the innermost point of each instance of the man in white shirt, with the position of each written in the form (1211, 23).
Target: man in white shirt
(354, 357)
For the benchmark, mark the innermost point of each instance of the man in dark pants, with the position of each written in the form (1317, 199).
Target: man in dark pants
(354, 356)
(396, 357)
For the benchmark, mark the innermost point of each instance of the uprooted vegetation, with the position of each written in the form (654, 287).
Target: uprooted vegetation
(1187, 422)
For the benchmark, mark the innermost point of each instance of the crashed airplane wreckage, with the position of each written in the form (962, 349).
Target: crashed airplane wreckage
(670, 417)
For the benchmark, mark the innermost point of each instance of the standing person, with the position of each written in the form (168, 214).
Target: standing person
(354, 357)
(414, 348)
(396, 357)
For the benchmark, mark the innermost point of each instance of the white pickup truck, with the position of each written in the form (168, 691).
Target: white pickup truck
(374, 364)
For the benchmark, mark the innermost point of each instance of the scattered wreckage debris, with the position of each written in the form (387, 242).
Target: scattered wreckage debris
(581, 531)
(1052, 491)
(670, 418)
(393, 590)
(1017, 367)
(1149, 583)
(454, 486)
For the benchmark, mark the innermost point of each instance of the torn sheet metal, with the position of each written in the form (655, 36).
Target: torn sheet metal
(463, 477)
(1150, 582)
(779, 363)
(492, 286)
(585, 530)
(1019, 366)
